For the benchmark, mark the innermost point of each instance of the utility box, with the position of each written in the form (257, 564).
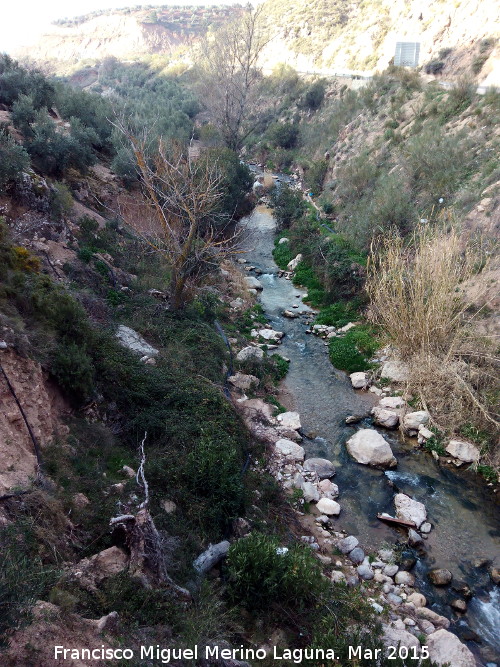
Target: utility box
(407, 54)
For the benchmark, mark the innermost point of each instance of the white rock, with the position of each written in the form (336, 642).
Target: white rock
(253, 283)
(396, 636)
(358, 380)
(396, 371)
(464, 451)
(425, 527)
(135, 342)
(408, 509)
(242, 381)
(289, 450)
(404, 578)
(292, 264)
(384, 417)
(310, 491)
(392, 402)
(254, 353)
(424, 434)
(289, 420)
(337, 577)
(283, 240)
(346, 328)
(446, 648)
(328, 507)
(369, 448)
(323, 468)
(328, 489)
(271, 334)
(413, 420)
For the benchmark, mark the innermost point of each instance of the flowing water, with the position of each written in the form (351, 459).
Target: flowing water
(464, 517)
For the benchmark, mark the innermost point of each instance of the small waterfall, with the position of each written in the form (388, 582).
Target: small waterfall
(484, 617)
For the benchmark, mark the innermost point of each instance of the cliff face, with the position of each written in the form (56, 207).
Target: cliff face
(119, 35)
(336, 36)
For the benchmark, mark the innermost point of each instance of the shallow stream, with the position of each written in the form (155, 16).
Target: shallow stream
(460, 507)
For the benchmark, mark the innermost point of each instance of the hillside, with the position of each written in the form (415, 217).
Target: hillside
(332, 35)
(127, 33)
(318, 36)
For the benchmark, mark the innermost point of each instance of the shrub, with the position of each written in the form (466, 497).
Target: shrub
(73, 370)
(314, 96)
(61, 200)
(284, 135)
(212, 473)
(351, 352)
(315, 175)
(434, 66)
(288, 205)
(13, 159)
(262, 572)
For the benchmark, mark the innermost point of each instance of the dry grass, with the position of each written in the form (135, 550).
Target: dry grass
(417, 295)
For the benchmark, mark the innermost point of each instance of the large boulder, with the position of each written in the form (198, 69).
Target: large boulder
(369, 448)
(408, 509)
(322, 467)
(464, 451)
(359, 380)
(242, 381)
(292, 264)
(446, 648)
(250, 354)
(328, 507)
(289, 450)
(135, 342)
(440, 576)
(437, 620)
(328, 489)
(310, 492)
(394, 635)
(384, 417)
(397, 371)
(289, 420)
(413, 420)
(253, 283)
(348, 544)
(271, 334)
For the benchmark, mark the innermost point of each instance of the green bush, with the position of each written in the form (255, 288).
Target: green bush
(351, 352)
(262, 572)
(288, 205)
(212, 474)
(282, 254)
(73, 370)
(13, 159)
(314, 96)
(285, 135)
(315, 175)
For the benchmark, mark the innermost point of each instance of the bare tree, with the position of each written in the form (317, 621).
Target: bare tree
(178, 214)
(231, 73)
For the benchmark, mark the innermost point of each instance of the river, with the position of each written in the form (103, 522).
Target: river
(459, 506)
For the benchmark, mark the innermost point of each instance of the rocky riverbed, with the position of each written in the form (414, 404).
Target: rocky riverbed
(464, 539)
